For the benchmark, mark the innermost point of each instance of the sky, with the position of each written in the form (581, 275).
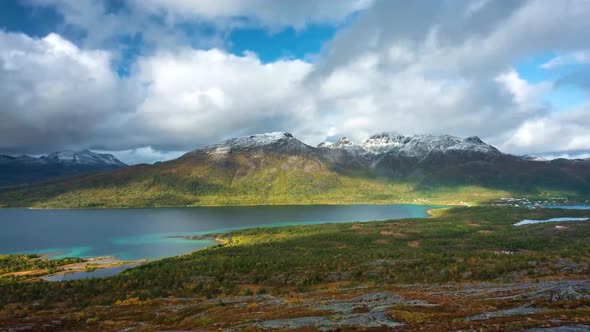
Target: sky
(148, 80)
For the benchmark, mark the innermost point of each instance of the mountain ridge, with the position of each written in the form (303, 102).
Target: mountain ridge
(413, 146)
(83, 157)
(277, 168)
(19, 170)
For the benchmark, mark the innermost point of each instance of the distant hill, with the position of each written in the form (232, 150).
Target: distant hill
(15, 171)
(277, 168)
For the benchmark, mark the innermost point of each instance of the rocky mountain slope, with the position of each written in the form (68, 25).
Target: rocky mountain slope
(25, 169)
(417, 146)
(277, 168)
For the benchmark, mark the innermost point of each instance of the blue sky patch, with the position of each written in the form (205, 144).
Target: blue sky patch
(563, 96)
(289, 43)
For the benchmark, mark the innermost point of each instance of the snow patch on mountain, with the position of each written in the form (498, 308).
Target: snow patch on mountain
(284, 139)
(342, 143)
(382, 142)
(85, 157)
(220, 150)
(412, 146)
(423, 145)
(67, 158)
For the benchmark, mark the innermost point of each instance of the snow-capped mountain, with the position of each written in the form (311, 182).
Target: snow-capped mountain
(26, 169)
(345, 144)
(5, 158)
(382, 148)
(420, 145)
(416, 146)
(255, 141)
(279, 142)
(274, 167)
(85, 157)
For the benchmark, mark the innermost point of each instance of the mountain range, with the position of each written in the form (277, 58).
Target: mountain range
(26, 169)
(277, 168)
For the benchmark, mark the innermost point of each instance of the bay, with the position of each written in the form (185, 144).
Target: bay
(131, 234)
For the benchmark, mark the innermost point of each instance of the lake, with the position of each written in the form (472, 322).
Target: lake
(131, 234)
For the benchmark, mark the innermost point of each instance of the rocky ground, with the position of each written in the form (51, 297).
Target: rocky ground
(541, 305)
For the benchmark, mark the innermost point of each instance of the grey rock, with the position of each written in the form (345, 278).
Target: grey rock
(571, 328)
(321, 322)
(20, 329)
(503, 313)
(566, 294)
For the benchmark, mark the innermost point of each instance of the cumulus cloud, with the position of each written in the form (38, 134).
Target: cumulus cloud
(424, 68)
(270, 13)
(162, 23)
(55, 94)
(523, 92)
(411, 67)
(557, 132)
(195, 96)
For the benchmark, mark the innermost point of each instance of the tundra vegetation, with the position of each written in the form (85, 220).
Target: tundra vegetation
(267, 275)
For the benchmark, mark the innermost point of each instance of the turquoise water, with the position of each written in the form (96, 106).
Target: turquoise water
(131, 234)
(102, 273)
(569, 207)
(535, 221)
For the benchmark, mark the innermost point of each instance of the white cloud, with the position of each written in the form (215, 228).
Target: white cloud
(436, 71)
(103, 27)
(411, 67)
(56, 94)
(524, 93)
(157, 21)
(193, 96)
(270, 13)
(557, 132)
(580, 57)
(143, 155)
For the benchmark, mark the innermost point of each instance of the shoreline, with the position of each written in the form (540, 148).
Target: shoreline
(443, 205)
(216, 238)
(435, 203)
(86, 265)
(91, 264)
(210, 237)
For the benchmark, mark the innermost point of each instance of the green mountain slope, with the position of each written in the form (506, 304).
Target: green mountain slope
(286, 171)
